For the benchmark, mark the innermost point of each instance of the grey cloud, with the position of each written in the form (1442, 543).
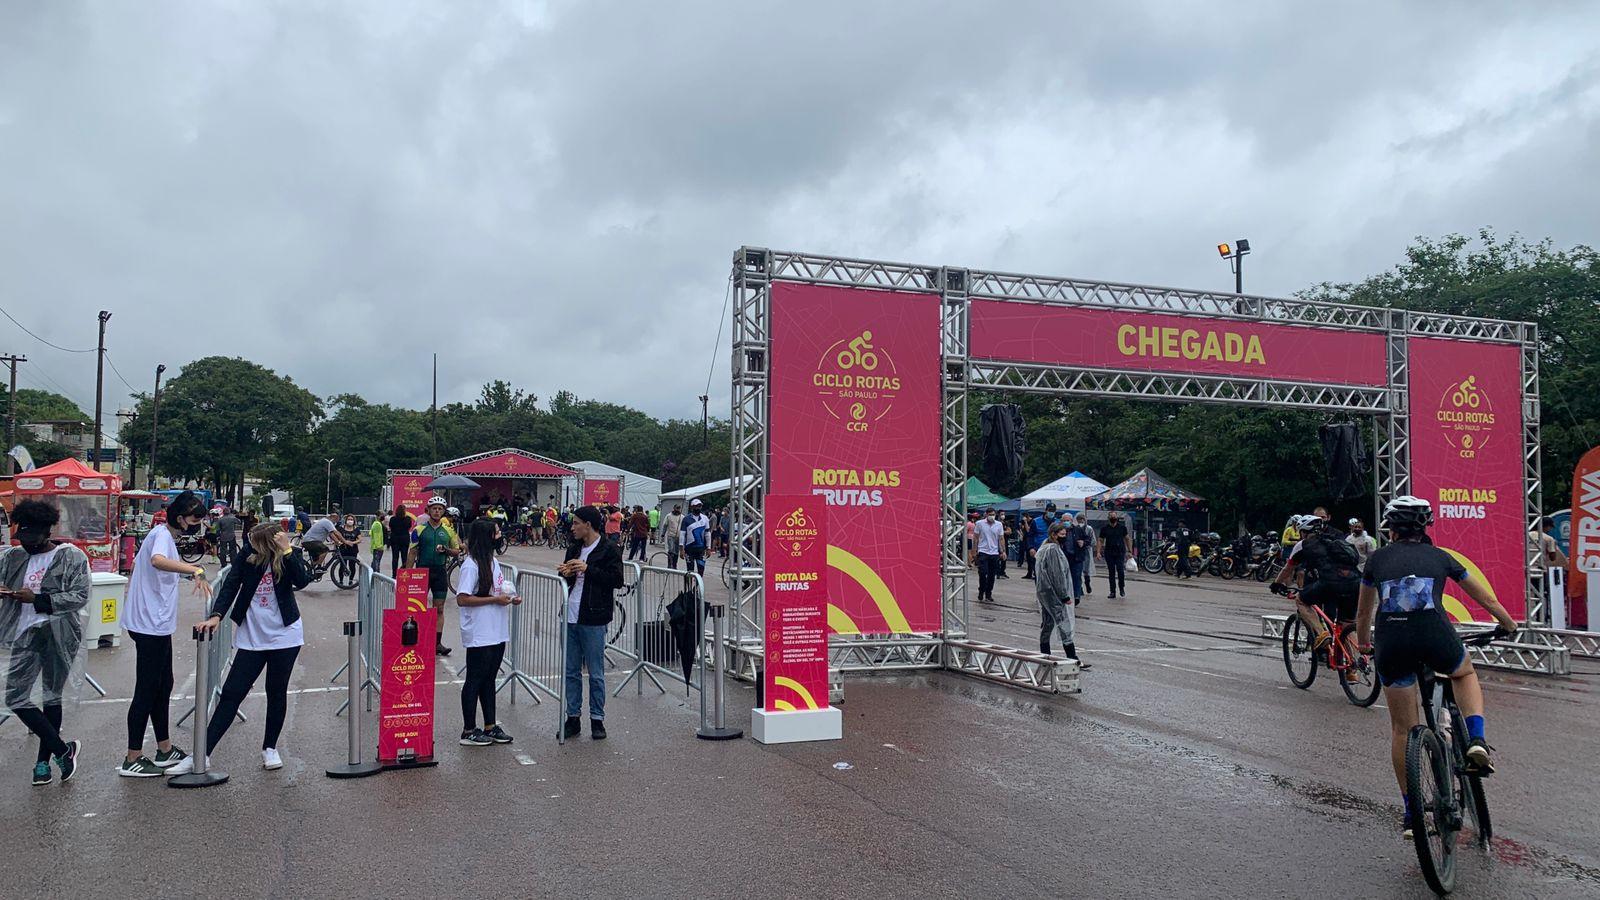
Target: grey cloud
(551, 193)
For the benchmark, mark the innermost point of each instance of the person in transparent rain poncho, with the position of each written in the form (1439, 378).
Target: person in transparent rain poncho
(44, 587)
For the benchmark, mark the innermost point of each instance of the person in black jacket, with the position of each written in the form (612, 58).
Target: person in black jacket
(593, 571)
(258, 595)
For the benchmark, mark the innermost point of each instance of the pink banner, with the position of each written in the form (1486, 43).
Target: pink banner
(411, 490)
(1466, 459)
(1109, 338)
(795, 603)
(512, 464)
(602, 491)
(405, 714)
(853, 418)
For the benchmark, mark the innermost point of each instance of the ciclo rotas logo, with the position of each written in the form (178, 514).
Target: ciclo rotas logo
(795, 532)
(857, 381)
(1467, 415)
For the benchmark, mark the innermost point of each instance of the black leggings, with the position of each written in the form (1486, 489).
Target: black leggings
(1117, 572)
(483, 669)
(397, 559)
(247, 666)
(152, 687)
(38, 660)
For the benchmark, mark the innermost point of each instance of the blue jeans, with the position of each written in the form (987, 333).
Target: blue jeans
(586, 646)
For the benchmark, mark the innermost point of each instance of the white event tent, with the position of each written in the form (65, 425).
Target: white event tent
(1066, 492)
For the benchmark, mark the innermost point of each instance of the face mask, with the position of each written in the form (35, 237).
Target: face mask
(192, 528)
(34, 540)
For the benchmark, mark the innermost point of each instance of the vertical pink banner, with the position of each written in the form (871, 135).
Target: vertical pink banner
(795, 603)
(411, 490)
(853, 419)
(1466, 459)
(602, 491)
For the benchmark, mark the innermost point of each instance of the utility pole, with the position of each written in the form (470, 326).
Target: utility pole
(434, 427)
(327, 488)
(705, 420)
(155, 423)
(99, 381)
(11, 415)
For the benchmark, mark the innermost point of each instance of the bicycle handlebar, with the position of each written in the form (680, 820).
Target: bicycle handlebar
(1483, 639)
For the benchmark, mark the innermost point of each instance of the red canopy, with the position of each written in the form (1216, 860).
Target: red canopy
(511, 464)
(69, 476)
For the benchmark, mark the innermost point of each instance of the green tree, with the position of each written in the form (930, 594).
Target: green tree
(1510, 278)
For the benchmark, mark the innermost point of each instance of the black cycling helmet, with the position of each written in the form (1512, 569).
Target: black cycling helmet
(1407, 514)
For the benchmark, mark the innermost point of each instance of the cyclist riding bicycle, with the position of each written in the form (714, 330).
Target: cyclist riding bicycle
(321, 533)
(1330, 573)
(1402, 595)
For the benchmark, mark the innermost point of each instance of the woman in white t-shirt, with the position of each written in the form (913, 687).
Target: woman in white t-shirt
(258, 595)
(150, 616)
(485, 600)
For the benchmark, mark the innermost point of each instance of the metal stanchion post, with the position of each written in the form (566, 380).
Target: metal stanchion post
(201, 776)
(719, 730)
(353, 767)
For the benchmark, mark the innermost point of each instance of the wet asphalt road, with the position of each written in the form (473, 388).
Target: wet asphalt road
(1187, 767)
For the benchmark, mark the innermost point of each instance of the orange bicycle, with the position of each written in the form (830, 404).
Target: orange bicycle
(1357, 675)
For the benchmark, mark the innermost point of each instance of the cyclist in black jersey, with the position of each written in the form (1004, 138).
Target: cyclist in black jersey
(1401, 612)
(1330, 573)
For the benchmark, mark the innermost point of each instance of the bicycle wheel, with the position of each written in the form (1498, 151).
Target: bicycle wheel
(1364, 691)
(1152, 563)
(345, 573)
(192, 552)
(619, 622)
(1298, 659)
(1428, 784)
(501, 546)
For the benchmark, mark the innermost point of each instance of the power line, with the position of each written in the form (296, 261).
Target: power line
(113, 366)
(40, 339)
(726, 296)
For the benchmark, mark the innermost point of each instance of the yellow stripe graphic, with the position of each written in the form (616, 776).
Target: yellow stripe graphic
(1454, 606)
(841, 623)
(784, 705)
(798, 688)
(852, 565)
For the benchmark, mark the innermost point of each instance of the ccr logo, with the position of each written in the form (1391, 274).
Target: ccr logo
(857, 381)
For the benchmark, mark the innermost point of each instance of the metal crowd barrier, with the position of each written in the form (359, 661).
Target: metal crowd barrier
(622, 638)
(219, 658)
(509, 573)
(538, 650)
(648, 631)
(374, 594)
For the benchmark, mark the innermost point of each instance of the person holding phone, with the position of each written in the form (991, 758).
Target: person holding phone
(150, 616)
(258, 595)
(485, 600)
(43, 586)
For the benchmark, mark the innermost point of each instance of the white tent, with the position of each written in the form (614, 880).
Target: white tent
(1066, 492)
(637, 490)
(700, 490)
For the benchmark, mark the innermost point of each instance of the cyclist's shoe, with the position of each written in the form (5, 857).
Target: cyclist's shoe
(1321, 643)
(1351, 676)
(1407, 825)
(1478, 761)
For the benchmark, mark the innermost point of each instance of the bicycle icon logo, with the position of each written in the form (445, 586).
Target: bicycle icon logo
(859, 353)
(796, 519)
(1467, 394)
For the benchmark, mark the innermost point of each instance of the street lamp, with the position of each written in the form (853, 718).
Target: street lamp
(1235, 256)
(327, 488)
(155, 423)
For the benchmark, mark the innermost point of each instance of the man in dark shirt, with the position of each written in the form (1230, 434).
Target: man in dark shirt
(1114, 549)
(227, 537)
(638, 533)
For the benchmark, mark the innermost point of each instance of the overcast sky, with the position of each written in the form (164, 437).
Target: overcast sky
(535, 190)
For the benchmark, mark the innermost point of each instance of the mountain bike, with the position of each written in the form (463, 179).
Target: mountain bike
(343, 570)
(193, 547)
(1357, 674)
(1437, 780)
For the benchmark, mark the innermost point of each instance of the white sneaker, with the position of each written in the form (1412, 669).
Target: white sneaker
(270, 759)
(182, 767)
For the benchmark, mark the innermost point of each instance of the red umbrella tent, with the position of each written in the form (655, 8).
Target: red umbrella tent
(88, 502)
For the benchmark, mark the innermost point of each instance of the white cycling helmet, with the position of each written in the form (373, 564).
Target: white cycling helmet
(1407, 512)
(1308, 523)
(434, 501)
(452, 511)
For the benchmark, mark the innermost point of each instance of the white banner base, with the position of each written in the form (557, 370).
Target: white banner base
(826, 724)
